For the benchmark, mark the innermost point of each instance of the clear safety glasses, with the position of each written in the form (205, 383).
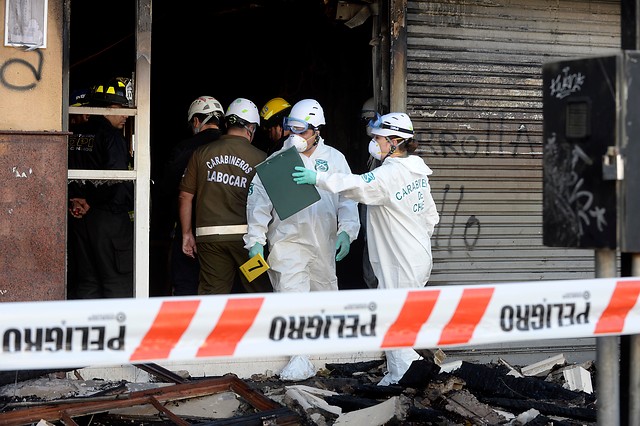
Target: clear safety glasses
(295, 125)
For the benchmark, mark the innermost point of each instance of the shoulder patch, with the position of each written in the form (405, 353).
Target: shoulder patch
(368, 177)
(322, 165)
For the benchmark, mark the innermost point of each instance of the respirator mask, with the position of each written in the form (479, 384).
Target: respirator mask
(298, 141)
(375, 150)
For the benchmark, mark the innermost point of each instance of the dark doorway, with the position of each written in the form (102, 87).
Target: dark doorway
(228, 49)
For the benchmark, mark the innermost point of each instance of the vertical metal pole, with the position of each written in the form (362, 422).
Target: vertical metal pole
(630, 347)
(607, 354)
(634, 356)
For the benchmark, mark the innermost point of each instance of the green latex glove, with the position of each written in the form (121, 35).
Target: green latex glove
(257, 248)
(303, 176)
(342, 246)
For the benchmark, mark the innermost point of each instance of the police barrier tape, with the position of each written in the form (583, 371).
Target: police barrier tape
(68, 334)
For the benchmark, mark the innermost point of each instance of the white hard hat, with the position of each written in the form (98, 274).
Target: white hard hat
(308, 111)
(205, 105)
(245, 110)
(393, 124)
(368, 109)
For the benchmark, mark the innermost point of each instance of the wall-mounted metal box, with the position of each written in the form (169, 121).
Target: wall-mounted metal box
(591, 130)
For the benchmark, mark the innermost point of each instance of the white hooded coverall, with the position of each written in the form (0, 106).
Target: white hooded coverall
(302, 248)
(401, 217)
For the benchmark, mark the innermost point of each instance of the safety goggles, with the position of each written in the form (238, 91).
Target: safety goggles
(377, 123)
(295, 125)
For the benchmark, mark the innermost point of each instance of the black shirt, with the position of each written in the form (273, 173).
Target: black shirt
(174, 168)
(97, 145)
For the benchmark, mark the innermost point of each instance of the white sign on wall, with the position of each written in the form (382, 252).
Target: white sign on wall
(26, 23)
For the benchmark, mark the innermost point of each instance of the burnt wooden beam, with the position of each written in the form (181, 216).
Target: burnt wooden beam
(546, 408)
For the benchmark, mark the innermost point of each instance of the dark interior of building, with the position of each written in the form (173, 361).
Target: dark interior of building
(227, 49)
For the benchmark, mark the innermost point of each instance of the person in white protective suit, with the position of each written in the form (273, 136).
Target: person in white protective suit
(367, 114)
(303, 248)
(401, 214)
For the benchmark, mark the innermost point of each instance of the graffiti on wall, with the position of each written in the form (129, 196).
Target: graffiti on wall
(580, 118)
(575, 205)
(446, 143)
(19, 66)
(471, 231)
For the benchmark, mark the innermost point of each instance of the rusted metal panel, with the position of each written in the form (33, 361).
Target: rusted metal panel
(474, 92)
(33, 220)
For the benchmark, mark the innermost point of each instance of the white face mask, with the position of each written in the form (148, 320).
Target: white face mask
(296, 140)
(375, 150)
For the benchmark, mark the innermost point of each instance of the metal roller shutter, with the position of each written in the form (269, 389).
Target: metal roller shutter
(474, 75)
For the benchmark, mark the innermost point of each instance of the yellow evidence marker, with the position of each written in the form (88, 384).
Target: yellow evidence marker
(254, 267)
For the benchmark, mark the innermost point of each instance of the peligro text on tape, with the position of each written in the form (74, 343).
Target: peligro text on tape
(77, 333)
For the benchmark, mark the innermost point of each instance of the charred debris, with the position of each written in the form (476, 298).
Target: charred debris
(432, 392)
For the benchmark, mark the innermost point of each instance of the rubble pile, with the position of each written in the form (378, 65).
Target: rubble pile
(550, 392)
(469, 394)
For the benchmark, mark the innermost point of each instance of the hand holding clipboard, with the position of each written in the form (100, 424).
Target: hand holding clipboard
(287, 197)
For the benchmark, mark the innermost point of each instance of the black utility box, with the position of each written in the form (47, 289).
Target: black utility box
(591, 131)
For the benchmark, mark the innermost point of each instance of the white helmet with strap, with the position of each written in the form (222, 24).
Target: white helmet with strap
(305, 113)
(393, 124)
(242, 111)
(207, 105)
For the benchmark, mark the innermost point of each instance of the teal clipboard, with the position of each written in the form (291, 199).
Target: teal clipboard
(287, 197)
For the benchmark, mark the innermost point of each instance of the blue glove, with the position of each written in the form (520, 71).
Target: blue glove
(257, 248)
(342, 246)
(304, 175)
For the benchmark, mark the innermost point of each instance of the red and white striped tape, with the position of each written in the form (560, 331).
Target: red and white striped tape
(67, 334)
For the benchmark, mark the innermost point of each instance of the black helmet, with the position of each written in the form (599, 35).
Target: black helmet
(79, 97)
(118, 90)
